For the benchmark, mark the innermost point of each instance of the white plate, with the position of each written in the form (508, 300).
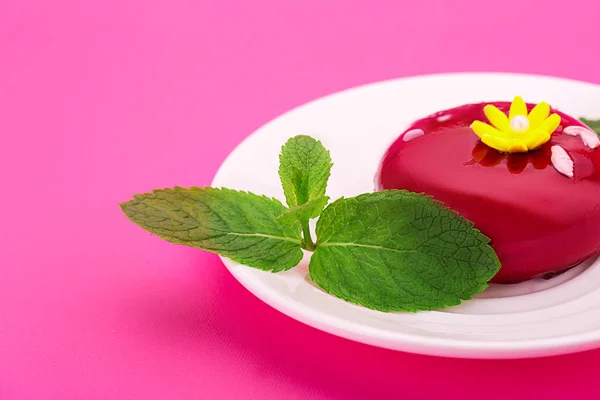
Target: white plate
(535, 318)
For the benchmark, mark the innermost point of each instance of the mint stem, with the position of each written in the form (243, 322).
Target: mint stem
(308, 243)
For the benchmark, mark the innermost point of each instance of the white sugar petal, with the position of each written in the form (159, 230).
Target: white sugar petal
(412, 134)
(589, 138)
(561, 161)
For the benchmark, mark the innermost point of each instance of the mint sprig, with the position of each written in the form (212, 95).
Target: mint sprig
(594, 124)
(390, 251)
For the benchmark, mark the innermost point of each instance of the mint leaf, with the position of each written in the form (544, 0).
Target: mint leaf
(306, 211)
(595, 125)
(238, 225)
(304, 168)
(399, 251)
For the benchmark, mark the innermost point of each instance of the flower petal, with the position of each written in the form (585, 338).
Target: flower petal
(517, 147)
(550, 124)
(517, 107)
(481, 129)
(536, 139)
(539, 113)
(496, 142)
(497, 117)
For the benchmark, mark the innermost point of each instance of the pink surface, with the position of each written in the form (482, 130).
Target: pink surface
(99, 100)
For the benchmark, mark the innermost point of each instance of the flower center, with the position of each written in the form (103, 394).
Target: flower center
(519, 123)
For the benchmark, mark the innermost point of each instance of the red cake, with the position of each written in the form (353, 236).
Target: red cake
(537, 199)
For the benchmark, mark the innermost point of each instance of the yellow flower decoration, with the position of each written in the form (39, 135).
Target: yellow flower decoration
(519, 132)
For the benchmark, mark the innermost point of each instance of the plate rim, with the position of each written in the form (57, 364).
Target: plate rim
(401, 341)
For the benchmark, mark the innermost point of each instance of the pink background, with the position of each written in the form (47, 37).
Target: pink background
(99, 100)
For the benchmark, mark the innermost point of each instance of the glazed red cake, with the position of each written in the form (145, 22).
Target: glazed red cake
(540, 207)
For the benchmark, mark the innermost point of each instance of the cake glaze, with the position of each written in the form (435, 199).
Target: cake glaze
(539, 218)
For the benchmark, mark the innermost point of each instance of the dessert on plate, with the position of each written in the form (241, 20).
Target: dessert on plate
(499, 192)
(527, 176)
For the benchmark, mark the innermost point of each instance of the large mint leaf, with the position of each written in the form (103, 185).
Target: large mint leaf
(595, 125)
(239, 225)
(400, 251)
(304, 168)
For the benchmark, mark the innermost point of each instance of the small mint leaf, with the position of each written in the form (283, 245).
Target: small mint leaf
(305, 212)
(239, 225)
(594, 124)
(304, 168)
(399, 251)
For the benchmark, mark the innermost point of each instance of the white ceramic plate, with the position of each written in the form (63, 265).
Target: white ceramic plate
(534, 318)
